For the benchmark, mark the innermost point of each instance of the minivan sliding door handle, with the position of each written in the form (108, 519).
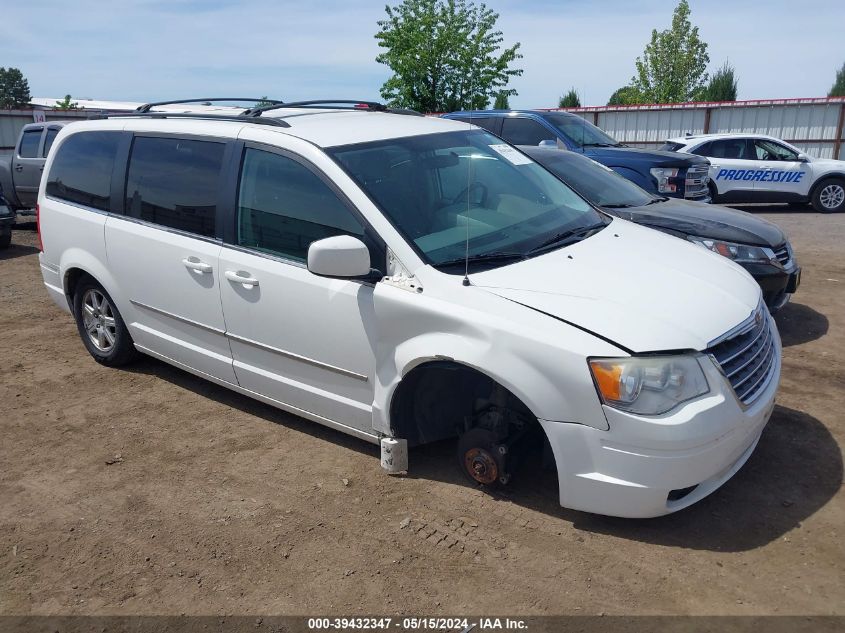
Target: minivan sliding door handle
(193, 263)
(241, 277)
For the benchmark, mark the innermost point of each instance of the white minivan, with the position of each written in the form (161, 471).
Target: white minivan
(408, 279)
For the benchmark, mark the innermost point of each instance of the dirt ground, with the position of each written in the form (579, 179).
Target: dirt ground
(147, 490)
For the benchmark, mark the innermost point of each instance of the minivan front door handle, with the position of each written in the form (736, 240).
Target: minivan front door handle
(193, 263)
(241, 277)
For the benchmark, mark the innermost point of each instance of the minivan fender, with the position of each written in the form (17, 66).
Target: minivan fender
(534, 386)
(77, 259)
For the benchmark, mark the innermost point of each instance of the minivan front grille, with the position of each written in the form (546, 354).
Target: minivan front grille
(783, 253)
(748, 357)
(695, 185)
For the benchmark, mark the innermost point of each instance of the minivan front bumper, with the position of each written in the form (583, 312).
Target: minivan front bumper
(650, 466)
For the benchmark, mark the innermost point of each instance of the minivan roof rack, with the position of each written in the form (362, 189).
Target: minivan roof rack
(330, 104)
(272, 121)
(206, 101)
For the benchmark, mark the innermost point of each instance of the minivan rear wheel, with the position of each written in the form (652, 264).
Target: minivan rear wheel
(100, 325)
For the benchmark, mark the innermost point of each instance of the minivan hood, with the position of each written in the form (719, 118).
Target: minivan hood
(654, 158)
(705, 220)
(639, 288)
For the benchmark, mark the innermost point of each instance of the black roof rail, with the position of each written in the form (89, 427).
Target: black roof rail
(207, 101)
(330, 104)
(271, 121)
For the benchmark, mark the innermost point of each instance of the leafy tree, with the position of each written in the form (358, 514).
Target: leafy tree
(502, 102)
(673, 66)
(264, 101)
(14, 89)
(626, 95)
(66, 104)
(722, 85)
(570, 100)
(838, 88)
(445, 55)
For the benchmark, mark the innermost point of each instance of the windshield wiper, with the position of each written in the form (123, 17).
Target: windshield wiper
(498, 256)
(620, 205)
(657, 199)
(603, 145)
(566, 238)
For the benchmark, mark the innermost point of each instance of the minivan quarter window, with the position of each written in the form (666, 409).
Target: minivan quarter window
(82, 169)
(174, 182)
(283, 206)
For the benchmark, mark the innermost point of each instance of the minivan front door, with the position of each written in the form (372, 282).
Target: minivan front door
(296, 338)
(164, 252)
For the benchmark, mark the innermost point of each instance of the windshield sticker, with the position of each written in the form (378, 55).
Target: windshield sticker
(512, 155)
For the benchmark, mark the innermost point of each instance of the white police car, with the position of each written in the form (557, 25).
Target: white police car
(760, 168)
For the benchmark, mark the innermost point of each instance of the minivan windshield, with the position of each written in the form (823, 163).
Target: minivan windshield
(580, 132)
(597, 183)
(467, 193)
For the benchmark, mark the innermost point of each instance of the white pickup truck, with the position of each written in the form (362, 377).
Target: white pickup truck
(20, 173)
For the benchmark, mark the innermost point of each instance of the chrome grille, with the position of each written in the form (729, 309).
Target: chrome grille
(747, 357)
(695, 185)
(784, 254)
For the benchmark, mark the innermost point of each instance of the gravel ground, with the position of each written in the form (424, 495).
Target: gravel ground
(147, 490)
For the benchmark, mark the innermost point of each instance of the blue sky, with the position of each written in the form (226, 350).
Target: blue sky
(154, 49)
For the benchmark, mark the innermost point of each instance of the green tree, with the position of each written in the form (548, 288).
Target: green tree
(673, 66)
(569, 100)
(722, 85)
(445, 55)
(66, 104)
(502, 102)
(838, 88)
(626, 95)
(14, 89)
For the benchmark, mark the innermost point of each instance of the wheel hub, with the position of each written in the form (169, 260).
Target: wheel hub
(481, 465)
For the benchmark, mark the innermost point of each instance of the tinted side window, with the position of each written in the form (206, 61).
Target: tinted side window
(731, 148)
(701, 150)
(487, 122)
(48, 141)
(518, 131)
(174, 182)
(29, 143)
(82, 169)
(283, 207)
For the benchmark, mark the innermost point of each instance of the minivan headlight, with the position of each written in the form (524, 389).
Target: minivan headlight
(737, 252)
(648, 385)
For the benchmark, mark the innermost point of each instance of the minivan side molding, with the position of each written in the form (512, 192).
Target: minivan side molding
(304, 359)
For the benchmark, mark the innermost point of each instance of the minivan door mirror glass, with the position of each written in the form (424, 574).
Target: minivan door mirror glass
(341, 256)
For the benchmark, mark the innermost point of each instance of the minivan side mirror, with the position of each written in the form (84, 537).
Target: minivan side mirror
(341, 256)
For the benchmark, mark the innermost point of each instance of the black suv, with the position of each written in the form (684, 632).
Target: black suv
(662, 173)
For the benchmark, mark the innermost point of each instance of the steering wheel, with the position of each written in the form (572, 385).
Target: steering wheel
(463, 195)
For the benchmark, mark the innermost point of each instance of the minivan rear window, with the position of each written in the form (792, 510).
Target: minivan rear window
(82, 169)
(174, 182)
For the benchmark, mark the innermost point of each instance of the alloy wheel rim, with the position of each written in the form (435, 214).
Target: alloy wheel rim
(832, 196)
(98, 319)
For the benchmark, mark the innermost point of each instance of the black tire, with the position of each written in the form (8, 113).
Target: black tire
(5, 240)
(108, 326)
(829, 196)
(714, 195)
(475, 447)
